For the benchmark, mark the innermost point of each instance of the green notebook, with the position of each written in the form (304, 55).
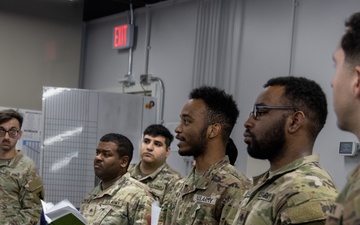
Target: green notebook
(69, 219)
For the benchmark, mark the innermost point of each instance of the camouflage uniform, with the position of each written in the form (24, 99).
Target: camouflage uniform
(160, 181)
(212, 199)
(21, 189)
(128, 201)
(349, 199)
(300, 192)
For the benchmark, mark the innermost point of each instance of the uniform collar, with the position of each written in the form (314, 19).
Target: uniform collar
(268, 175)
(138, 175)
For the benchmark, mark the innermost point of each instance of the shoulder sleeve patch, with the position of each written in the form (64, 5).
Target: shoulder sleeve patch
(306, 212)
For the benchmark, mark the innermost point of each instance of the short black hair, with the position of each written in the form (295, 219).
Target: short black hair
(221, 107)
(307, 96)
(125, 147)
(155, 130)
(350, 42)
(8, 114)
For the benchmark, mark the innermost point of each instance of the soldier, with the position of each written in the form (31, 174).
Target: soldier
(282, 128)
(21, 188)
(214, 188)
(119, 199)
(346, 91)
(153, 170)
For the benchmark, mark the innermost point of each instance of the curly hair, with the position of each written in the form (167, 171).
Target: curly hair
(350, 42)
(221, 107)
(307, 96)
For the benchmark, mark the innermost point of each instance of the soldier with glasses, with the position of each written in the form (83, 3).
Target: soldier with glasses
(20, 185)
(282, 128)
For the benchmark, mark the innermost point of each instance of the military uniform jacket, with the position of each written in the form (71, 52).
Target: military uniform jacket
(347, 208)
(213, 199)
(297, 193)
(126, 202)
(20, 191)
(160, 182)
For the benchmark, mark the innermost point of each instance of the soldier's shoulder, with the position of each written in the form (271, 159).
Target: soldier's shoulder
(230, 175)
(352, 187)
(27, 165)
(172, 172)
(314, 181)
(137, 184)
(135, 187)
(27, 161)
(132, 166)
(310, 172)
(354, 174)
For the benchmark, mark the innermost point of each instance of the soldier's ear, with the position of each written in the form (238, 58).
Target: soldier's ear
(357, 81)
(168, 150)
(124, 161)
(296, 121)
(214, 130)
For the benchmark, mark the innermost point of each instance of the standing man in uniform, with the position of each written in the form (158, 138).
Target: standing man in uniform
(119, 199)
(282, 128)
(21, 188)
(346, 101)
(214, 188)
(153, 170)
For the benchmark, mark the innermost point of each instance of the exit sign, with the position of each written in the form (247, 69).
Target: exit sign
(123, 36)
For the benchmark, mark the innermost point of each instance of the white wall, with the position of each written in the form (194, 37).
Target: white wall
(319, 27)
(40, 45)
(266, 45)
(266, 51)
(171, 57)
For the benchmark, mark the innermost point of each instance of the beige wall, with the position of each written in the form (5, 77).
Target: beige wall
(40, 45)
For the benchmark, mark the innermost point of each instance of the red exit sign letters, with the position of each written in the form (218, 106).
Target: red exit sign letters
(123, 36)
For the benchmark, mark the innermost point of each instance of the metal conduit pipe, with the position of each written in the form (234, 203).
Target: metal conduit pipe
(147, 79)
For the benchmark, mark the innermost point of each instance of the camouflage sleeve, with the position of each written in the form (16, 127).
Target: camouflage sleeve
(169, 189)
(163, 217)
(346, 211)
(230, 206)
(322, 222)
(167, 206)
(141, 209)
(303, 208)
(30, 195)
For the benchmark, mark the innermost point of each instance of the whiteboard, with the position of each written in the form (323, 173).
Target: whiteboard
(73, 122)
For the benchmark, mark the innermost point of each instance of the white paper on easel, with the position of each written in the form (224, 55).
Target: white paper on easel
(155, 212)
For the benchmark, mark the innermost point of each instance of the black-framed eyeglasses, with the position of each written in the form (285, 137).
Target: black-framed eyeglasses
(13, 132)
(257, 109)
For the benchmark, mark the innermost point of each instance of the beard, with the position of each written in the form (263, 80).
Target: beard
(272, 143)
(197, 146)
